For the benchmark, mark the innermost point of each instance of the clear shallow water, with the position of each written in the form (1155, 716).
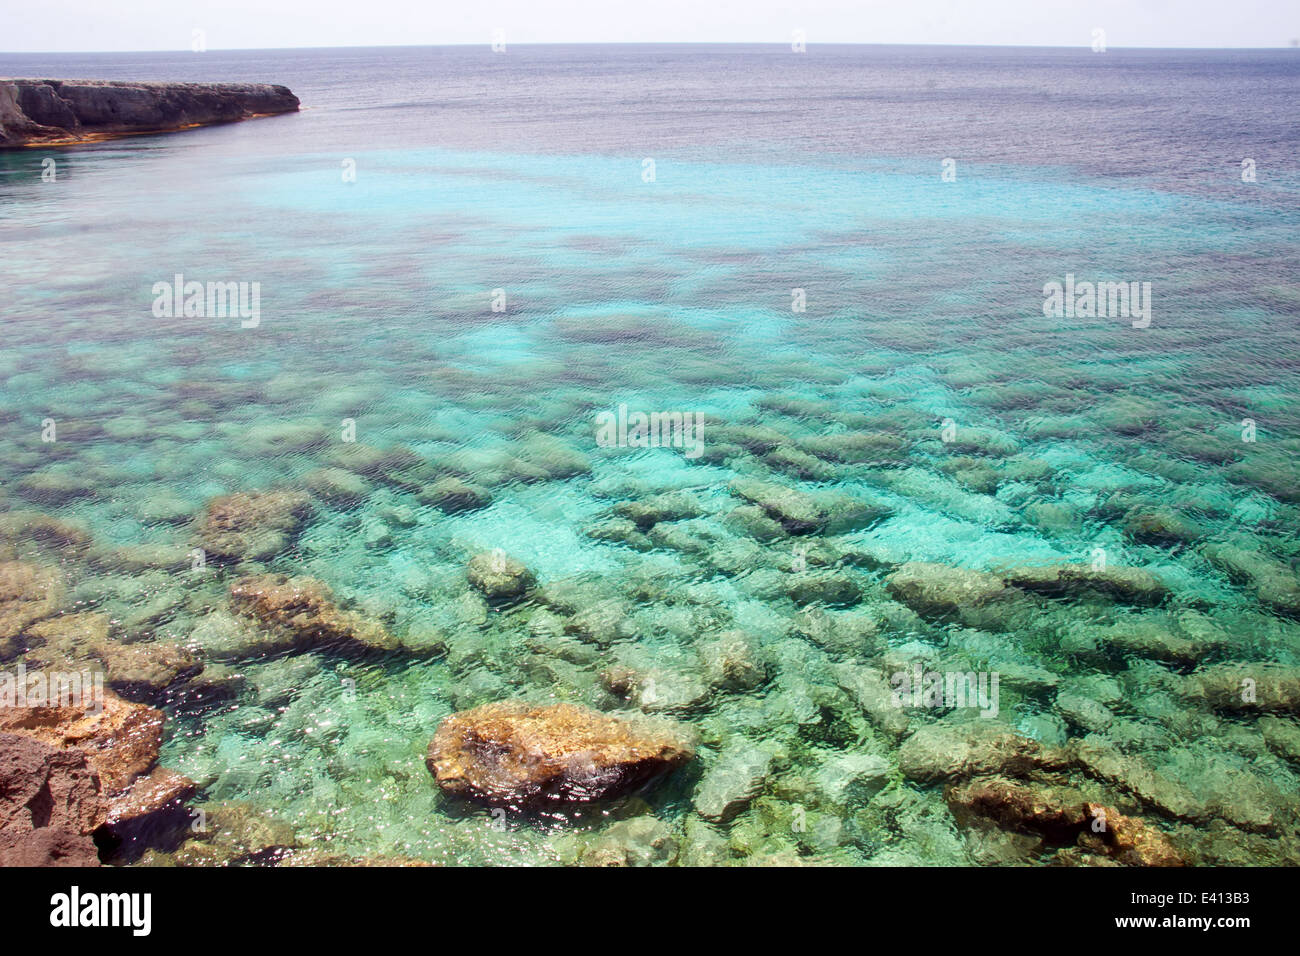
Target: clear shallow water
(523, 173)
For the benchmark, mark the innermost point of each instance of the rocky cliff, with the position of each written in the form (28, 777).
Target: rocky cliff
(54, 112)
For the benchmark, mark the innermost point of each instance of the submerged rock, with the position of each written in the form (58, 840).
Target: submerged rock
(943, 592)
(454, 495)
(796, 510)
(802, 512)
(1131, 585)
(1083, 711)
(640, 841)
(55, 488)
(231, 833)
(1160, 526)
(1103, 762)
(303, 610)
(734, 779)
(1274, 583)
(81, 642)
(733, 661)
(867, 687)
(656, 689)
(252, 525)
(1153, 640)
(1246, 687)
(832, 589)
(337, 486)
(645, 513)
(857, 447)
(28, 593)
(976, 747)
(532, 757)
(498, 576)
(1063, 816)
(1282, 736)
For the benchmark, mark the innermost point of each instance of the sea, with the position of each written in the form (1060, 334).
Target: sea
(912, 319)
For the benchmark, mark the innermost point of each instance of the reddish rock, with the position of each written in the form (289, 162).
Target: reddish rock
(50, 803)
(304, 610)
(121, 741)
(1129, 840)
(526, 756)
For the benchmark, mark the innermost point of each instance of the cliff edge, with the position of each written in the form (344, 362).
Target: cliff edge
(58, 112)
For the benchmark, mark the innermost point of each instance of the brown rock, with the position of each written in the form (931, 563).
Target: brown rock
(28, 592)
(49, 804)
(250, 525)
(1247, 687)
(1057, 813)
(526, 756)
(1128, 839)
(943, 592)
(498, 576)
(81, 642)
(1063, 816)
(1131, 585)
(121, 741)
(303, 608)
(160, 789)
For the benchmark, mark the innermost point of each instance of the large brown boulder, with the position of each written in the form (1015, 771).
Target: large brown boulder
(527, 756)
(50, 803)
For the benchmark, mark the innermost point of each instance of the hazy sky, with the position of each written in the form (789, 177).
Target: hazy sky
(85, 25)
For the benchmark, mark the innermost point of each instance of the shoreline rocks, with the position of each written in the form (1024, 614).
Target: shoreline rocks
(61, 112)
(50, 804)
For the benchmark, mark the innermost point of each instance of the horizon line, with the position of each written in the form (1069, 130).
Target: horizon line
(1293, 44)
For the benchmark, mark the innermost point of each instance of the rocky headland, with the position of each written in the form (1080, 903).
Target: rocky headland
(60, 112)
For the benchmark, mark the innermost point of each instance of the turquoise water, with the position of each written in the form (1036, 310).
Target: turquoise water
(923, 304)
